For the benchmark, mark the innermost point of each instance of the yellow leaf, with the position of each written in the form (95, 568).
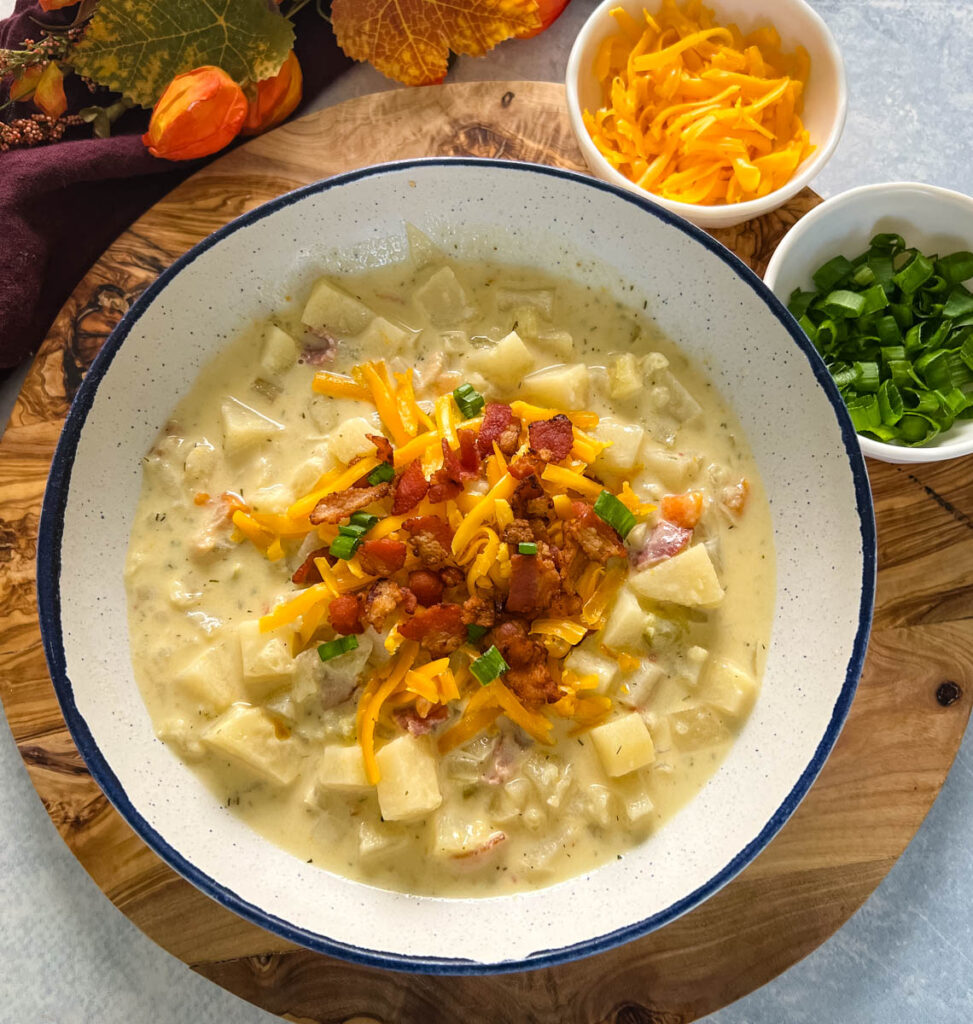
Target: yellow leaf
(409, 40)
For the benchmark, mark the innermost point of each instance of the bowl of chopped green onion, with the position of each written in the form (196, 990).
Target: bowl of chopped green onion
(880, 278)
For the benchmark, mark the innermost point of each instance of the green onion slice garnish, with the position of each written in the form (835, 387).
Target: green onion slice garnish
(527, 548)
(489, 667)
(344, 546)
(609, 508)
(335, 648)
(381, 474)
(895, 329)
(475, 633)
(469, 401)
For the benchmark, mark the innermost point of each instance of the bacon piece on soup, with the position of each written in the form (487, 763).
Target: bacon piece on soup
(383, 556)
(439, 629)
(500, 425)
(525, 466)
(469, 457)
(344, 612)
(431, 540)
(529, 676)
(552, 439)
(447, 481)
(534, 582)
(530, 501)
(335, 507)
(382, 599)
(383, 447)
(478, 612)
(665, 541)
(592, 534)
(411, 721)
(307, 571)
(427, 586)
(410, 488)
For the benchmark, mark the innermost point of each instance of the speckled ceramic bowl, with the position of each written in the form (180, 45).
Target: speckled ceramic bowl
(707, 302)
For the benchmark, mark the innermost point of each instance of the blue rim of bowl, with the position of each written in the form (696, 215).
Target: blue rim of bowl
(49, 600)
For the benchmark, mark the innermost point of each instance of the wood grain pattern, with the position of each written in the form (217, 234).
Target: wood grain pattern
(871, 797)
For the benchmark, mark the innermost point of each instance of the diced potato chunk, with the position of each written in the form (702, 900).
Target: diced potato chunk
(343, 769)
(563, 387)
(634, 798)
(558, 342)
(276, 498)
(676, 470)
(696, 727)
(279, 353)
(243, 426)
(688, 579)
(622, 454)
(208, 681)
(422, 249)
(505, 364)
(330, 308)
(586, 663)
(266, 658)
(385, 335)
(443, 299)
(625, 377)
(626, 621)
(349, 439)
(728, 688)
(379, 839)
(624, 744)
(409, 784)
(251, 737)
(201, 460)
(541, 299)
(308, 472)
(693, 664)
(641, 683)
(458, 836)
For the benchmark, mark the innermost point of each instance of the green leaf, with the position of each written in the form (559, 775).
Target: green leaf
(137, 47)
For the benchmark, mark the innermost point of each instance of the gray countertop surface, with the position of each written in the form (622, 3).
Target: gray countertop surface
(69, 957)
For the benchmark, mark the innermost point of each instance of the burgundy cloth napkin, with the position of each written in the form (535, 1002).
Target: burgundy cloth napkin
(62, 204)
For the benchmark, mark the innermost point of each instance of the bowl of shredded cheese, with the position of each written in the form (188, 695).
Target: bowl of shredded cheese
(719, 114)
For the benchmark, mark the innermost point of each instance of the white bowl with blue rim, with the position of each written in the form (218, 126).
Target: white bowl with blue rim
(929, 218)
(711, 305)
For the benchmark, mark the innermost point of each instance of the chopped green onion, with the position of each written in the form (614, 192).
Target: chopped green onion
(527, 548)
(609, 508)
(835, 270)
(895, 329)
(381, 474)
(344, 546)
(489, 667)
(363, 519)
(334, 648)
(475, 633)
(469, 401)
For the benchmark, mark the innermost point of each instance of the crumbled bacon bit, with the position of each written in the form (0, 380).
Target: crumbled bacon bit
(427, 586)
(431, 540)
(500, 425)
(382, 599)
(383, 556)
(666, 540)
(383, 447)
(410, 488)
(447, 481)
(529, 676)
(451, 576)
(530, 501)
(439, 629)
(534, 582)
(477, 612)
(307, 571)
(525, 466)
(410, 719)
(335, 507)
(592, 534)
(469, 457)
(518, 532)
(345, 615)
(552, 439)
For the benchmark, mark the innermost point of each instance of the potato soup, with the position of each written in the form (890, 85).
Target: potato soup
(455, 579)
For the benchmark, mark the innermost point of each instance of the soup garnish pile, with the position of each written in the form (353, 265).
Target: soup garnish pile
(457, 580)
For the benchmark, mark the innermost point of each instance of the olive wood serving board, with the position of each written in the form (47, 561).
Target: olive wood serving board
(875, 790)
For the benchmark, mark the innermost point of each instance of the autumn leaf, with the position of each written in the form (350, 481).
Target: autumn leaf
(137, 47)
(410, 40)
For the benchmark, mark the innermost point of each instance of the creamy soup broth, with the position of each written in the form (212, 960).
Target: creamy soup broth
(273, 730)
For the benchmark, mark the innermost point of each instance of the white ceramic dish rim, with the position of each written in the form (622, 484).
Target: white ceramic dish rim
(49, 602)
(897, 454)
(710, 216)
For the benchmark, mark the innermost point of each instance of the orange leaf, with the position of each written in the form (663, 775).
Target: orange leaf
(49, 93)
(410, 40)
(23, 86)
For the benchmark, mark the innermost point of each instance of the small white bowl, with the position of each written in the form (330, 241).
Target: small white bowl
(825, 98)
(931, 219)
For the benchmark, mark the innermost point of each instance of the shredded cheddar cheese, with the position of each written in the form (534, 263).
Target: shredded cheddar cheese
(697, 112)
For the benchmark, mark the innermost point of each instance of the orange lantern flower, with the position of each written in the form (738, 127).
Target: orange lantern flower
(274, 99)
(23, 86)
(200, 112)
(56, 5)
(44, 84)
